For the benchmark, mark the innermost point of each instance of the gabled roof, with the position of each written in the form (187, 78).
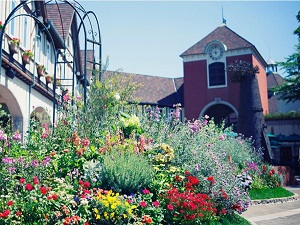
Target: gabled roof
(161, 91)
(61, 16)
(223, 34)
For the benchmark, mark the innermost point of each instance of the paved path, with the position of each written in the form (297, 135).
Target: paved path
(276, 214)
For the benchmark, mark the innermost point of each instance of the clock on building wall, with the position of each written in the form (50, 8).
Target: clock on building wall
(215, 51)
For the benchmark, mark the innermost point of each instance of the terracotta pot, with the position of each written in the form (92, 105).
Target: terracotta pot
(26, 59)
(13, 48)
(40, 72)
(48, 79)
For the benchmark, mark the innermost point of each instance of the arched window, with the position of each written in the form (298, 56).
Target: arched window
(217, 74)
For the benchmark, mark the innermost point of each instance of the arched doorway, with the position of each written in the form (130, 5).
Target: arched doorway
(221, 111)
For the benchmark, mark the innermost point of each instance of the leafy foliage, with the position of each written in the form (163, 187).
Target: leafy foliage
(290, 89)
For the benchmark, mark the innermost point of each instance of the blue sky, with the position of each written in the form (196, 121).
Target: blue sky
(147, 37)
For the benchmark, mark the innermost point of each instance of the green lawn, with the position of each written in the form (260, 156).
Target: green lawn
(279, 192)
(233, 219)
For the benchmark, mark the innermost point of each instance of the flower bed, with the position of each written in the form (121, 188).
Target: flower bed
(99, 168)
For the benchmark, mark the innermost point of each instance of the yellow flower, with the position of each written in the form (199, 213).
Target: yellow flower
(105, 215)
(112, 215)
(95, 210)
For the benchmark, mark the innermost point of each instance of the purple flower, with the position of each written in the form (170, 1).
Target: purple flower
(35, 163)
(46, 161)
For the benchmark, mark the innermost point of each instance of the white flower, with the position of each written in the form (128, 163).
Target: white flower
(117, 96)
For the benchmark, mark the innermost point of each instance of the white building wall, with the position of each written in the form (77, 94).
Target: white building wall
(23, 102)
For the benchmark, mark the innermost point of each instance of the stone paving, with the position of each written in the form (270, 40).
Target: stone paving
(276, 213)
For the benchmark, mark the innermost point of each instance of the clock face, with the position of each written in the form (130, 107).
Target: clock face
(215, 51)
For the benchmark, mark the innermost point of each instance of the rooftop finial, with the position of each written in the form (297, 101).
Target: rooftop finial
(223, 19)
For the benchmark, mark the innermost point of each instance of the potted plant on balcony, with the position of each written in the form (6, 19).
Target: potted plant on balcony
(58, 82)
(14, 43)
(41, 70)
(26, 56)
(49, 78)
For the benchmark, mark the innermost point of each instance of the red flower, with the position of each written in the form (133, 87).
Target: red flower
(86, 184)
(54, 196)
(146, 219)
(22, 180)
(5, 213)
(10, 203)
(193, 180)
(211, 179)
(29, 187)
(170, 207)
(143, 204)
(18, 213)
(43, 190)
(178, 178)
(44, 135)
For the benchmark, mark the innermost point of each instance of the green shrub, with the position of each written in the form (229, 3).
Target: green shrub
(125, 171)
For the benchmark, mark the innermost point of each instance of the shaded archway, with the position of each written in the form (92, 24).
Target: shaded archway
(40, 115)
(221, 112)
(12, 108)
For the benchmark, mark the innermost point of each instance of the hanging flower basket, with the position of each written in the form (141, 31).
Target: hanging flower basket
(14, 45)
(26, 56)
(41, 70)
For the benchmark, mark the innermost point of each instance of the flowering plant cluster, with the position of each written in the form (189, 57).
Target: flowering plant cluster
(28, 52)
(15, 40)
(92, 171)
(41, 67)
(1, 25)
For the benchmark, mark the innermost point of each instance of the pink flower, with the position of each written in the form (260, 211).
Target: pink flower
(146, 192)
(170, 207)
(85, 142)
(44, 135)
(222, 137)
(155, 204)
(66, 97)
(143, 204)
(35, 180)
